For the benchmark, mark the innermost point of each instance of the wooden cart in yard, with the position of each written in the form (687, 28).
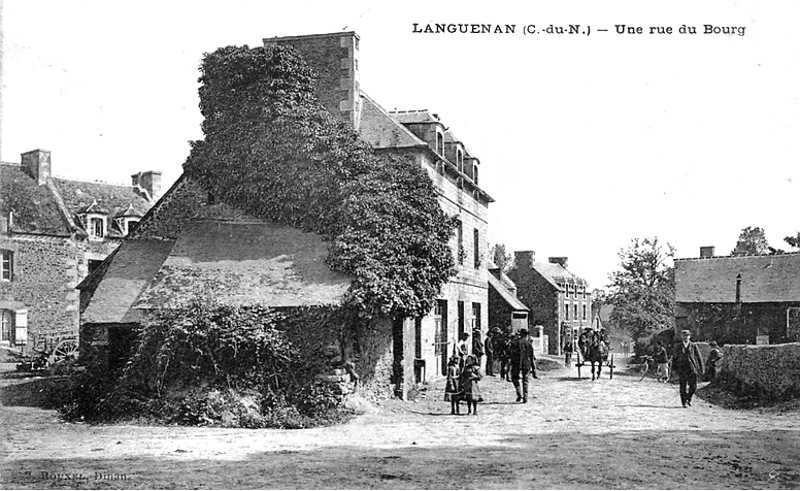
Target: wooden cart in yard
(47, 351)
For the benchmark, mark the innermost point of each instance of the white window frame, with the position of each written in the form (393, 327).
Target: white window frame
(7, 265)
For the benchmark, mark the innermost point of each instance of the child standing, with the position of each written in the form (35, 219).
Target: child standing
(470, 389)
(452, 391)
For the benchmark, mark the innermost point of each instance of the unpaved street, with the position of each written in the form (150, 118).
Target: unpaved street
(618, 433)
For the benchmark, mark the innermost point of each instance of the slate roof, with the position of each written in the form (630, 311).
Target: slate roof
(243, 261)
(42, 209)
(246, 263)
(127, 273)
(556, 274)
(414, 116)
(36, 209)
(380, 130)
(386, 130)
(763, 279)
(510, 299)
(113, 199)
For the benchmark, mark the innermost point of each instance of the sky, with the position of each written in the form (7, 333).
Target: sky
(585, 141)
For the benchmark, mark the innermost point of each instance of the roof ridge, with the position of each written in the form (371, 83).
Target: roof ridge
(400, 125)
(748, 256)
(92, 182)
(408, 111)
(62, 207)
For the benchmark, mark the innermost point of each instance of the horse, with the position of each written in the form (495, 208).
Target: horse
(594, 349)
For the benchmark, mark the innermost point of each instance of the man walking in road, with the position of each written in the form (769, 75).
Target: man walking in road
(488, 347)
(523, 364)
(687, 362)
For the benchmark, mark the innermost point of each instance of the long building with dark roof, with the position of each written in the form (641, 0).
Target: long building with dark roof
(739, 299)
(53, 233)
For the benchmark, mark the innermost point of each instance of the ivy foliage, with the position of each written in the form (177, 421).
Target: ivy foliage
(206, 364)
(272, 150)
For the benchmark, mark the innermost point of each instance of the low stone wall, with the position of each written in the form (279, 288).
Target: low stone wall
(767, 371)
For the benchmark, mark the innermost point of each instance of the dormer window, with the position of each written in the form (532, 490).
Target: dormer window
(475, 173)
(95, 220)
(439, 143)
(460, 160)
(97, 227)
(127, 220)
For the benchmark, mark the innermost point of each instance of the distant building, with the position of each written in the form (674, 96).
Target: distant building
(505, 309)
(557, 299)
(53, 233)
(739, 299)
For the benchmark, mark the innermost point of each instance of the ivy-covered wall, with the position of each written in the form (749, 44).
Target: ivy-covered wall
(728, 323)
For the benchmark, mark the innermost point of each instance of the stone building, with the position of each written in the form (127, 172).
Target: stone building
(739, 299)
(505, 309)
(189, 248)
(53, 233)
(557, 299)
(421, 136)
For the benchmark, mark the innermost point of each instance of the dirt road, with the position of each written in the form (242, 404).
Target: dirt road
(618, 433)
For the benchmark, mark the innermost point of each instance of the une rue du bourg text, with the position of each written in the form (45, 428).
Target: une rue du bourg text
(454, 28)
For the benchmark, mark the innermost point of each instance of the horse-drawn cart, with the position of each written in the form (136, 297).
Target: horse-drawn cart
(593, 351)
(608, 363)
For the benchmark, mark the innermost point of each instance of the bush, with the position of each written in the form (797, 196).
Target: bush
(208, 364)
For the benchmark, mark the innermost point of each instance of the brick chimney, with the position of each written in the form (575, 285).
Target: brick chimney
(560, 260)
(524, 258)
(36, 164)
(707, 251)
(147, 184)
(334, 58)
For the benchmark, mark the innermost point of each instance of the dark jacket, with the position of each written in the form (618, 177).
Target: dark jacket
(526, 357)
(661, 355)
(687, 360)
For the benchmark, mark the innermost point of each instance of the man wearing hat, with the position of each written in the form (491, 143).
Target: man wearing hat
(488, 347)
(687, 362)
(523, 363)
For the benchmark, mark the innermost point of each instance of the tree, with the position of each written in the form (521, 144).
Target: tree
(272, 150)
(599, 297)
(501, 258)
(643, 290)
(752, 242)
(793, 241)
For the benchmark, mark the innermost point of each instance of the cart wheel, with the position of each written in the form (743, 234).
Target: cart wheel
(65, 350)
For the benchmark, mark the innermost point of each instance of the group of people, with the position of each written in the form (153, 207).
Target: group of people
(517, 365)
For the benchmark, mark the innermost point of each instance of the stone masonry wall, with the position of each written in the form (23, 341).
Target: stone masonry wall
(45, 276)
(334, 59)
(767, 371)
(47, 271)
(542, 300)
